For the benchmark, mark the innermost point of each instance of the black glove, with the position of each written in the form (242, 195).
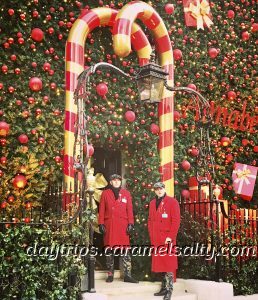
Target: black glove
(130, 229)
(102, 228)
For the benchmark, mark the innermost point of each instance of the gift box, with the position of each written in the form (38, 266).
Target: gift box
(244, 177)
(197, 13)
(200, 206)
(193, 188)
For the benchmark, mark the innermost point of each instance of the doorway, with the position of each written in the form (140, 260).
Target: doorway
(107, 162)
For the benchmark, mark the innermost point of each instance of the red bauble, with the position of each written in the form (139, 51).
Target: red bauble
(58, 159)
(23, 139)
(4, 128)
(229, 157)
(231, 95)
(3, 204)
(185, 165)
(35, 84)
(177, 116)
(169, 8)
(255, 149)
(46, 66)
(213, 52)
(192, 86)
(41, 140)
(231, 14)
(90, 149)
(185, 194)
(3, 160)
(11, 199)
(245, 142)
(37, 34)
(130, 116)
(225, 141)
(19, 181)
(11, 12)
(254, 27)
(177, 54)
(245, 36)
(154, 128)
(102, 89)
(193, 152)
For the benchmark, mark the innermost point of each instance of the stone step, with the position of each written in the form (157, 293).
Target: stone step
(128, 291)
(148, 296)
(100, 277)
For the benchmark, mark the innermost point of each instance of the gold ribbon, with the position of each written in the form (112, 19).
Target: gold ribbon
(99, 184)
(200, 12)
(243, 174)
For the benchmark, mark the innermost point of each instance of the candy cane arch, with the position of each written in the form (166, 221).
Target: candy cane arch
(74, 58)
(122, 46)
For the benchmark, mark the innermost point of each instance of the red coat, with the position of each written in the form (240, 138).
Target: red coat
(116, 215)
(163, 223)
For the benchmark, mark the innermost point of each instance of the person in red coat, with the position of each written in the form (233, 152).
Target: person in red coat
(116, 223)
(163, 225)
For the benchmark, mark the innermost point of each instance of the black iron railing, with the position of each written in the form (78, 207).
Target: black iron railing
(223, 227)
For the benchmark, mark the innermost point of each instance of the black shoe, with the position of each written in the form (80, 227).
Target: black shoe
(168, 295)
(109, 278)
(162, 292)
(130, 279)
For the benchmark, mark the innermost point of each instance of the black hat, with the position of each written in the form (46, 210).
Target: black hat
(115, 176)
(159, 185)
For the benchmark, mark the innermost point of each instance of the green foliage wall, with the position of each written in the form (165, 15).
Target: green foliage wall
(41, 114)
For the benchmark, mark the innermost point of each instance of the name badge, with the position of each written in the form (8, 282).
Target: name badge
(164, 216)
(124, 200)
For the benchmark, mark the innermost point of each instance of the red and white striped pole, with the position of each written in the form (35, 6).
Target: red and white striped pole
(122, 45)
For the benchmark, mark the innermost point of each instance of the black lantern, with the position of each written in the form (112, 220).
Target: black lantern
(150, 82)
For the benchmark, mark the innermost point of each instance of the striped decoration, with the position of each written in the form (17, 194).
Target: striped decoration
(74, 65)
(122, 47)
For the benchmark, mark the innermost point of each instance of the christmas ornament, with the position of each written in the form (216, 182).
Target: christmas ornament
(185, 165)
(10, 199)
(102, 89)
(130, 116)
(89, 148)
(154, 128)
(35, 84)
(169, 8)
(41, 140)
(3, 160)
(231, 14)
(19, 181)
(254, 27)
(192, 86)
(58, 159)
(231, 95)
(23, 139)
(193, 152)
(4, 128)
(177, 53)
(37, 34)
(177, 116)
(213, 52)
(225, 141)
(244, 177)
(245, 36)
(197, 13)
